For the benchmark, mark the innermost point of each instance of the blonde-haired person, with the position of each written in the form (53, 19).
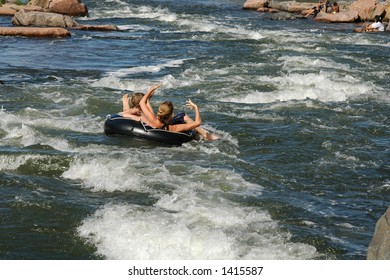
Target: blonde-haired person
(165, 114)
(134, 111)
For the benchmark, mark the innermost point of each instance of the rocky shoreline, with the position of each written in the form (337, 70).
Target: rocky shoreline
(358, 11)
(54, 14)
(47, 18)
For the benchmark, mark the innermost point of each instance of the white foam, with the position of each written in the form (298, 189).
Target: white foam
(386, 186)
(184, 21)
(100, 174)
(150, 68)
(117, 79)
(13, 162)
(23, 130)
(295, 86)
(348, 225)
(218, 231)
(192, 218)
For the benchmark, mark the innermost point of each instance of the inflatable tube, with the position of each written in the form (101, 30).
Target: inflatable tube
(116, 124)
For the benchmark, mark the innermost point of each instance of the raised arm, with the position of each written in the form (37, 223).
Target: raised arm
(125, 102)
(128, 112)
(190, 125)
(149, 105)
(147, 108)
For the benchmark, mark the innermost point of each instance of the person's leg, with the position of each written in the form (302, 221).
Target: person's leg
(201, 131)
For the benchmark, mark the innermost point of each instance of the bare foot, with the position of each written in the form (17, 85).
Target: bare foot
(210, 136)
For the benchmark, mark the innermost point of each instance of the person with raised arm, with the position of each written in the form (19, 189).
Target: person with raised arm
(165, 114)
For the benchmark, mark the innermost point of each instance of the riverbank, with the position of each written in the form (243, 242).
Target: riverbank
(350, 11)
(43, 18)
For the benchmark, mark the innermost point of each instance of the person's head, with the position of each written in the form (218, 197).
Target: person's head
(165, 112)
(136, 98)
(378, 18)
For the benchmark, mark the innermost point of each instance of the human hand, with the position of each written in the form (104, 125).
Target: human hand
(125, 102)
(191, 105)
(125, 97)
(152, 89)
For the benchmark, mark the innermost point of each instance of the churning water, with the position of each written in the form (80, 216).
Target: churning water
(301, 170)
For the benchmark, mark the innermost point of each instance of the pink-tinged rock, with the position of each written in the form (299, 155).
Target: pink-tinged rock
(41, 19)
(387, 13)
(11, 9)
(65, 7)
(298, 7)
(68, 7)
(41, 3)
(34, 32)
(267, 10)
(343, 17)
(256, 4)
(365, 9)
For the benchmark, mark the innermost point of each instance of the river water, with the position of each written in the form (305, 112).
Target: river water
(301, 169)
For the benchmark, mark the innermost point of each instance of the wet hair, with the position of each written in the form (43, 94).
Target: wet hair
(378, 18)
(165, 112)
(136, 98)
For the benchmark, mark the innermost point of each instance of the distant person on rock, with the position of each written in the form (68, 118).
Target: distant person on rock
(314, 11)
(335, 8)
(322, 6)
(377, 26)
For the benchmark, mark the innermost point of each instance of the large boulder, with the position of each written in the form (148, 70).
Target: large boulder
(68, 7)
(11, 9)
(31, 18)
(291, 6)
(65, 7)
(367, 9)
(379, 248)
(286, 16)
(256, 4)
(41, 3)
(34, 32)
(344, 17)
(298, 7)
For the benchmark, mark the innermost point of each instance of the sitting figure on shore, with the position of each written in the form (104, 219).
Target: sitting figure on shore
(335, 8)
(322, 6)
(377, 26)
(314, 11)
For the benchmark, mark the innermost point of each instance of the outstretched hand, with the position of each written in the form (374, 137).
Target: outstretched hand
(152, 89)
(191, 105)
(126, 97)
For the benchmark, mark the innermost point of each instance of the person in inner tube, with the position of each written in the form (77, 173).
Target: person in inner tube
(135, 112)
